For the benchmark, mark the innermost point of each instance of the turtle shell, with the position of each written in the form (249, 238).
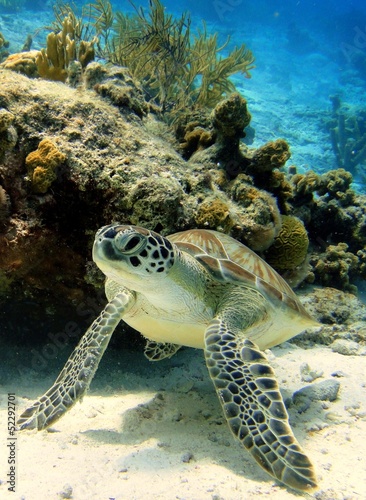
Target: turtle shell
(228, 260)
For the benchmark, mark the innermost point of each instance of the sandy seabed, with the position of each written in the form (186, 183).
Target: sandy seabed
(156, 430)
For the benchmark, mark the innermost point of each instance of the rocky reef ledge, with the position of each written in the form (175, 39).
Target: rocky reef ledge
(75, 159)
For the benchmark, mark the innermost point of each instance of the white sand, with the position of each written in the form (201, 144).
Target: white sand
(157, 431)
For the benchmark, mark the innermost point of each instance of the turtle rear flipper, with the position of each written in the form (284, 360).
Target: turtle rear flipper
(156, 351)
(74, 379)
(253, 405)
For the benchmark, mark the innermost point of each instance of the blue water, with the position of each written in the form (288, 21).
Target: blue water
(305, 52)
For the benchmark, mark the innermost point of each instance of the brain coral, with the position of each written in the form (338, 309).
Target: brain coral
(42, 165)
(290, 247)
(22, 62)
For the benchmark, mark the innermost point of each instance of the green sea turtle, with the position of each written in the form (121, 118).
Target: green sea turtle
(201, 289)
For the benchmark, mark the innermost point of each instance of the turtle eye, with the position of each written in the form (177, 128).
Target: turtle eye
(130, 243)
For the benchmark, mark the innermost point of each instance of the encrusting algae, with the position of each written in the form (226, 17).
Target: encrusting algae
(42, 165)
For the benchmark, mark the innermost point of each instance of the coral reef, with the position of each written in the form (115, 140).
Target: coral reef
(111, 128)
(116, 167)
(195, 138)
(335, 267)
(249, 214)
(336, 184)
(215, 137)
(42, 165)
(176, 70)
(159, 52)
(336, 213)
(335, 216)
(154, 200)
(331, 306)
(115, 170)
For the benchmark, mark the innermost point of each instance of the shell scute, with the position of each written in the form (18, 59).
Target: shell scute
(230, 261)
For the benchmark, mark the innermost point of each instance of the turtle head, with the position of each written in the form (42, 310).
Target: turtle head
(129, 254)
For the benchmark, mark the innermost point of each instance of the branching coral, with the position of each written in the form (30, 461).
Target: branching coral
(62, 49)
(348, 136)
(42, 165)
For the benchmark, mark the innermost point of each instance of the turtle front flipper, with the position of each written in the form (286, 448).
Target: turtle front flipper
(74, 379)
(156, 351)
(253, 405)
